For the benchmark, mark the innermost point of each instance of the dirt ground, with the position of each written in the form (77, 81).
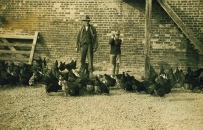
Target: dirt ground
(29, 107)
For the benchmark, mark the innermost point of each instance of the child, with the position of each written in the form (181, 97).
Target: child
(115, 53)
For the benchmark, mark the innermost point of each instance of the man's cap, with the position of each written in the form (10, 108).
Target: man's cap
(87, 18)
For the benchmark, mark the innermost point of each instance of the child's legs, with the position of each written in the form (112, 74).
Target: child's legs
(113, 63)
(118, 61)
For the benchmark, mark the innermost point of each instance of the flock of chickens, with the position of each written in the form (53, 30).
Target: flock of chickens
(63, 76)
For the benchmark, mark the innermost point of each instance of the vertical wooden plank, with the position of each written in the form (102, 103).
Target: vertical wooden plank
(33, 48)
(148, 10)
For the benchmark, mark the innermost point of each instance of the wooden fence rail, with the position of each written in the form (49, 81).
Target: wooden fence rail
(15, 51)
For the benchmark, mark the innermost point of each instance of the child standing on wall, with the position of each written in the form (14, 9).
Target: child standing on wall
(115, 53)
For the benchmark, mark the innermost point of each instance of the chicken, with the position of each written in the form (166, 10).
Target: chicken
(5, 78)
(118, 78)
(127, 82)
(64, 76)
(188, 76)
(139, 87)
(37, 71)
(83, 82)
(44, 63)
(101, 85)
(51, 82)
(153, 75)
(3, 73)
(148, 87)
(131, 82)
(3, 65)
(192, 78)
(159, 91)
(62, 66)
(71, 65)
(32, 80)
(74, 85)
(196, 73)
(39, 62)
(55, 70)
(71, 88)
(110, 82)
(189, 79)
(181, 77)
(151, 87)
(14, 72)
(25, 74)
(128, 86)
(177, 75)
(162, 73)
(163, 83)
(122, 81)
(171, 77)
(71, 76)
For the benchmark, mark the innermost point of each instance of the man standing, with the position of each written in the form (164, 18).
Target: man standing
(87, 44)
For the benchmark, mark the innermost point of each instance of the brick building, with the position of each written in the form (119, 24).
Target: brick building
(58, 22)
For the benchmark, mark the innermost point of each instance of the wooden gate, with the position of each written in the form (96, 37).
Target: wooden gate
(18, 48)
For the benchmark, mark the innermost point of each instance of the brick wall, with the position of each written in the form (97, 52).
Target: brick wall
(58, 22)
(170, 47)
(191, 13)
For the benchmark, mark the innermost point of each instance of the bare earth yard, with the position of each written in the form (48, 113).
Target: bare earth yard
(31, 108)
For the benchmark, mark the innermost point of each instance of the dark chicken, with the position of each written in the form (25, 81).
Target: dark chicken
(171, 77)
(25, 73)
(71, 88)
(101, 85)
(51, 82)
(71, 65)
(193, 78)
(110, 82)
(62, 66)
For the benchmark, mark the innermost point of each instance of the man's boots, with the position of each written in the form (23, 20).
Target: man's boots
(113, 72)
(91, 74)
(82, 71)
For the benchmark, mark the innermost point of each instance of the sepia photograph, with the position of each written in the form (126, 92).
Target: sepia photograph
(101, 64)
